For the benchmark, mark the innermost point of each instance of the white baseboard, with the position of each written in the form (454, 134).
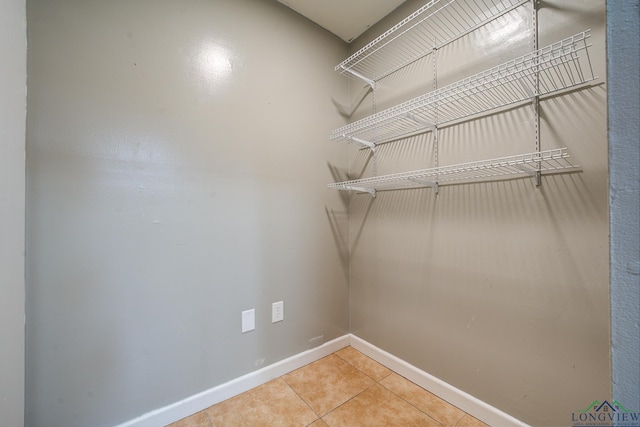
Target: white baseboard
(196, 403)
(471, 405)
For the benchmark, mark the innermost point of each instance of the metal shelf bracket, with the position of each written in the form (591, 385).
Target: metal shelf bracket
(424, 123)
(432, 184)
(369, 144)
(354, 73)
(369, 190)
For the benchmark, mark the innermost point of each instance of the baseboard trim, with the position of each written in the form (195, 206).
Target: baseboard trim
(468, 403)
(196, 403)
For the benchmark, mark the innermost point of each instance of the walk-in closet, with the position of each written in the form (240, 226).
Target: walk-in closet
(203, 199)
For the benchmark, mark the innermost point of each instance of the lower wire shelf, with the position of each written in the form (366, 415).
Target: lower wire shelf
(550, 161)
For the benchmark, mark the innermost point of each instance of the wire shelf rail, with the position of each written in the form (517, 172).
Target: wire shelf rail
(549, 161)
(435, 24)
(562, 65)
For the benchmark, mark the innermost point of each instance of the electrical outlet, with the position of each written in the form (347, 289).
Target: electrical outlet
(248, 320)
(277, 312)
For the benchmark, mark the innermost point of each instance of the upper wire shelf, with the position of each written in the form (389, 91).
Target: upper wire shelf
(434, 25)
(556, 67)
(550, 161)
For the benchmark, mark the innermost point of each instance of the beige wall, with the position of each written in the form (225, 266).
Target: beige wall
(13, 87)
(177, 168)
(169, 190)
(498, 288)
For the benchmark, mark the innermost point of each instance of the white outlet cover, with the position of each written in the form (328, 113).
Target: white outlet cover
(248, 320)
(277, 312)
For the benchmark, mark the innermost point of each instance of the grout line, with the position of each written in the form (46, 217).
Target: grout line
(414, 406)
(424, 412)
(297, 394)
(378, 382)
(350, 399)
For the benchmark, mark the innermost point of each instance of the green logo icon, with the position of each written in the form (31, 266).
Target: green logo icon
(605, 413)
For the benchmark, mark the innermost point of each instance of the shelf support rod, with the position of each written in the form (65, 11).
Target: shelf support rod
(432, 184)
(418, 120)
(368, 81)
(371, 145)
(369, 190)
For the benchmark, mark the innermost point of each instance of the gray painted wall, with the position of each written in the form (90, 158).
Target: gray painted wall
(623, 38)
(498, 288)
(177, 167)
(13, 87)
(143, 186)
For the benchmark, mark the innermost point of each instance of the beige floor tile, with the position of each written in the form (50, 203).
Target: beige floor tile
(342, 388)
(327, 383)
(200, 419)
(377, 407)
(438, 409)
(271, 404)
(363, 363)
(469, 421)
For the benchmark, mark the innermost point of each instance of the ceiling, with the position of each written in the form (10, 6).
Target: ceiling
(346, 19)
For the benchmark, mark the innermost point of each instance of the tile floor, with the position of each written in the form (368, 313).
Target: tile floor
(344, 389)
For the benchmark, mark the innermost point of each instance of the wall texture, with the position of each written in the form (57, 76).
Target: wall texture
(498, 288)
(13, 87)
(177, 167)
(624, 159)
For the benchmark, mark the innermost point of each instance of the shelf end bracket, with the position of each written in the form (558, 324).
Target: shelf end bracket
(369, 190)
(368, 81)
(369, 144)
(531, 172)
(432, 184)
(424, 123)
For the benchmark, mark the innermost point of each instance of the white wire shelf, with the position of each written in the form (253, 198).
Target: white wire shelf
(434, 25)
(556, 67)
(549, 161)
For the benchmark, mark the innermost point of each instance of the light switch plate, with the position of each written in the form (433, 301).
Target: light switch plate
(277, 312)
(248, 320)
